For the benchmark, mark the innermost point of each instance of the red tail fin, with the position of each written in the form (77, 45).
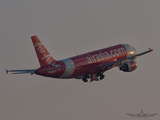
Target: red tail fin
(43, 55)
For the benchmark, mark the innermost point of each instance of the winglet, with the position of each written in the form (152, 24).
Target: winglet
(6, 71)
(150, 49)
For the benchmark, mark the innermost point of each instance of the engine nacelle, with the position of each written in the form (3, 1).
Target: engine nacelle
(129, 66)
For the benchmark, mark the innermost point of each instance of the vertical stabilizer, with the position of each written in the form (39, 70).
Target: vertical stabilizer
(43, 55)
(142, 111)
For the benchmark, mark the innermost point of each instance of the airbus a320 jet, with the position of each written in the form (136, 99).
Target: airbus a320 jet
(86, 66)
(141, 114)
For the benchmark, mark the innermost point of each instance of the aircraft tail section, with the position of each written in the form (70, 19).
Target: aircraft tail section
(43, 55)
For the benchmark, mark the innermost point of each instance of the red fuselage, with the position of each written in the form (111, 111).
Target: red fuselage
(91, 65)
(87, 63)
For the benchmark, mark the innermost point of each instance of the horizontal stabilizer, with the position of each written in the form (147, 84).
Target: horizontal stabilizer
(21, 71)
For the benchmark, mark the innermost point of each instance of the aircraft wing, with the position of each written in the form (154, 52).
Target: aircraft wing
(31, 71)
(152, 114)
(105, 66)
(131, 115)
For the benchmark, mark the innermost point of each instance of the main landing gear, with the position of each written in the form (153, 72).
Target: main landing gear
(93, 77)
(85, 80)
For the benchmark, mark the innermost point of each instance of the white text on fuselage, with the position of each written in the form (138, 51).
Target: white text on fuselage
(41, 50)
(105, 55)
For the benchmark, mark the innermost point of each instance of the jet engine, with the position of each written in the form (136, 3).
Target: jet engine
(129, 66)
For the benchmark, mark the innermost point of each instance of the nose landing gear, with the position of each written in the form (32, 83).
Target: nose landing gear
(101, 75)
(93, 77)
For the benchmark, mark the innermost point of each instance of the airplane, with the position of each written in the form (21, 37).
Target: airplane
(91, 65)
(141, 114)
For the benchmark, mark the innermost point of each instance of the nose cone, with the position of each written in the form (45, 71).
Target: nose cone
(130, 50)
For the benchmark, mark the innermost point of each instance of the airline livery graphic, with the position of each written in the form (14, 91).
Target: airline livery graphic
(89, 66)
(141, 114)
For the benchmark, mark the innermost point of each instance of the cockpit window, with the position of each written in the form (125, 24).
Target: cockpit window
(130, 50)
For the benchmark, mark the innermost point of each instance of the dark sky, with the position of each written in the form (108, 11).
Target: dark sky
(67, 28)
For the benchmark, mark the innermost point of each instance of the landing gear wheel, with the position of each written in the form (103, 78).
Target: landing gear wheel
(86, 76)
(85, 80)
(101, 77)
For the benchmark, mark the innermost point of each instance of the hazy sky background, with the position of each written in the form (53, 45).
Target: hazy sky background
(67, 28)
